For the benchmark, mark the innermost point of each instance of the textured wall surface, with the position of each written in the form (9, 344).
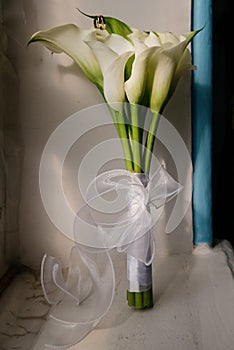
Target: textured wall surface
(10, 156)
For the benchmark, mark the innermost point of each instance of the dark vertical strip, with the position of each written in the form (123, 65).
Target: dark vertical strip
(223, 122)
(202, 122)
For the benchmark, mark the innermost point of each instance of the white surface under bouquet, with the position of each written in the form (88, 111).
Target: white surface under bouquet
(135, 71)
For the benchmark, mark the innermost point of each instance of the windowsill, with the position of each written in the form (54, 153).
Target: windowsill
(194, 308)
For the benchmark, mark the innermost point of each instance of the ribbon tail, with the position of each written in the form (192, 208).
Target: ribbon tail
(58, 335)
(79, 303)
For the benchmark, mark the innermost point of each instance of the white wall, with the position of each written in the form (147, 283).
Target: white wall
(52, 88)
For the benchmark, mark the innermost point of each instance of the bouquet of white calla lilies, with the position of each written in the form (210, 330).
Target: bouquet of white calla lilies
(129, 67)
(155, 60)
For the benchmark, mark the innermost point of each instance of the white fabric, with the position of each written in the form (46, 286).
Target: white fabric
(117, 214)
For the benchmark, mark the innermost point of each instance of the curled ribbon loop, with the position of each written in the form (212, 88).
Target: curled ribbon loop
(117, 214)
(80, 302)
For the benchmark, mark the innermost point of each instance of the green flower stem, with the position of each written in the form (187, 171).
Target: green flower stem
(126, 147)
(139, 300)
(121, 128)
(136, 139)
(131, 298)
(150, 141)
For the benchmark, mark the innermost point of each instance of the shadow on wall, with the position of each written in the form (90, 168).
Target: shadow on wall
(10, 158)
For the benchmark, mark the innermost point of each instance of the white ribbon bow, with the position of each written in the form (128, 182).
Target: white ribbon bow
(120, 210)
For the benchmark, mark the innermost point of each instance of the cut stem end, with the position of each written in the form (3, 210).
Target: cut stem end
(140, 300)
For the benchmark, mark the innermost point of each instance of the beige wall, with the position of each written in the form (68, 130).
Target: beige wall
(52, 88)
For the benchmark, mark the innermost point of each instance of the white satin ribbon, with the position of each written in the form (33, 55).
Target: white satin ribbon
(117, 214)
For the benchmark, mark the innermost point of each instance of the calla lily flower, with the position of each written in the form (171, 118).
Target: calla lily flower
(101, 56)
(170, 64)
(70, 39)
(112, 55)
(160, 61)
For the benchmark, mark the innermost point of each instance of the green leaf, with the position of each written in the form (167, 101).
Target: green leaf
(128, 67)
(112, 25)
(115, 26)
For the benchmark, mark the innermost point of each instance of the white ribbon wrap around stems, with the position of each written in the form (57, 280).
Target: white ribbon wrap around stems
(117, 214)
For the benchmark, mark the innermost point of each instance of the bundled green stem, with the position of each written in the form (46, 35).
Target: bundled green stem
(140, 163)
(140, 300)
(130, 132)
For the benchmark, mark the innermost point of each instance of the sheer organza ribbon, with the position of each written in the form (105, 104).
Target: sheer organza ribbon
(119, 213)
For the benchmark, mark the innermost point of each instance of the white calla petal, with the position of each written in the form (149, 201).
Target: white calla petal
(104, 54)
(135, 85)
(118, 44)
(163, 75)
(138, 36)
(167, 37)
(183, 66)
(152, 40)
(114, 80)
(112, 66)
